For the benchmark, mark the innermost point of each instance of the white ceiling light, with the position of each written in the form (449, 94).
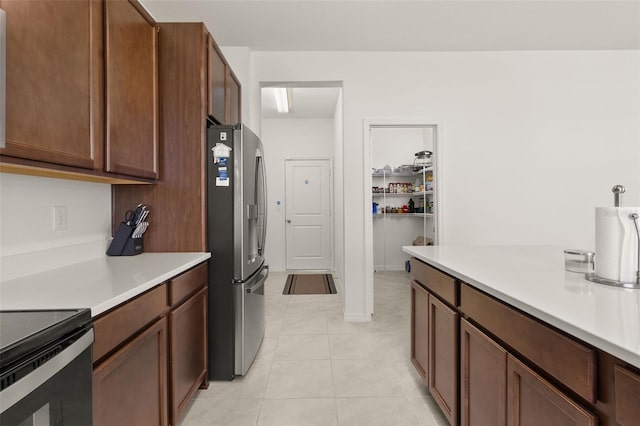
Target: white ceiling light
(282, 100)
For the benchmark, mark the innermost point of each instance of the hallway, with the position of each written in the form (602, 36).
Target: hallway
(316, 369)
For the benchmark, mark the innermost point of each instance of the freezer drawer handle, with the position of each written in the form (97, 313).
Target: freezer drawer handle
(260, 281)
(254, 287)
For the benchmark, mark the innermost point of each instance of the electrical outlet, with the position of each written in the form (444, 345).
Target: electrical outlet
(59, 218)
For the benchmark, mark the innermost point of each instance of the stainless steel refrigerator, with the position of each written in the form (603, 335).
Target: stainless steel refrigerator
(236, 230)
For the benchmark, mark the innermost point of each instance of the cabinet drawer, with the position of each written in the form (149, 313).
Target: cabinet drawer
(627, 388)
(572, 363)
(117, 325)
(437, 282)
(186, 284)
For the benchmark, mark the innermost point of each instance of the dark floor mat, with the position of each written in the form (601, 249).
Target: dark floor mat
(309, 284)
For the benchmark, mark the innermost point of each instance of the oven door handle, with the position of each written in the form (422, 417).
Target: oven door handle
(40, 375)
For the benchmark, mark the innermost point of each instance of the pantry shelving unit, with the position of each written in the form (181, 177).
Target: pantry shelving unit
(424, 201)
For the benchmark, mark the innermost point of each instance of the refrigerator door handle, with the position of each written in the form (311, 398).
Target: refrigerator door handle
(261, 172)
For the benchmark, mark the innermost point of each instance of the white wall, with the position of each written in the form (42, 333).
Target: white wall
(26, 223)
(338, 186)
(396, 146)
(531, 141)
(288, 138)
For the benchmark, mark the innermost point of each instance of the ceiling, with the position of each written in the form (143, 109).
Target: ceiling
(397, 25)
(419, 25)
(307, 102)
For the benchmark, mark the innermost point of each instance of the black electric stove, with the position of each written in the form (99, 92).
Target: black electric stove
(22, 332)
(45, 367)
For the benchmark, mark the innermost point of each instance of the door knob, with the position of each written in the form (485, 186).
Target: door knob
(288, 221)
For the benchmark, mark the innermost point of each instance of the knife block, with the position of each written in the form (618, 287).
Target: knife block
(123, 244)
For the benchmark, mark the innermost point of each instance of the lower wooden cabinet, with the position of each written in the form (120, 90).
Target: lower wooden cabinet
(419, 329)
(483, 378)
(443, 357)
(188, 351)
(150, 354)
(130, 386)
(531, 400)
(488, 364)
(434, 348)
(627, 390)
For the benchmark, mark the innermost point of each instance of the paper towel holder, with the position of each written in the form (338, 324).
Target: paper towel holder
(632, 285)
(618, 190)
(634, 217)
(599, 280)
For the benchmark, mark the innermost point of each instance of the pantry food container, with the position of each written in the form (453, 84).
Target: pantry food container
(579, 261)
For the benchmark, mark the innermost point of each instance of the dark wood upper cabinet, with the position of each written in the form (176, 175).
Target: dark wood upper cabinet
(82, 97)
(223, 87)
(186, 59)
(132, 90)
(233, 98)
(177, 200)
(54, 82)
(216, 74)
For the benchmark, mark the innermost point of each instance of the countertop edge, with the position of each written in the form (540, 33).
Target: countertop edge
(123, 297)
(596, 341)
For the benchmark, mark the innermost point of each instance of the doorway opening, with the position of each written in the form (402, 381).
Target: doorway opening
(303, 155)
(403, 197)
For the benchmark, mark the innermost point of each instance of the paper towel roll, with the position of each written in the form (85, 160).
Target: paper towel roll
(616, 244)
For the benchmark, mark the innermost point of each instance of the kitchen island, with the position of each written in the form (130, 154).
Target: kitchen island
(528, 340)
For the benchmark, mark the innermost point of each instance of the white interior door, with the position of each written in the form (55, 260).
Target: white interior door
(308, 214)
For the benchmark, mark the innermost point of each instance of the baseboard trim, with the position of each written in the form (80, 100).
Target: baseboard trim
(359, 317)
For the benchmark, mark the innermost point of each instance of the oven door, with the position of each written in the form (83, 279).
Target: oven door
(57, 393)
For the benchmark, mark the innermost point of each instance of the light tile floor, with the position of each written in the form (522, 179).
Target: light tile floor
(313, 368)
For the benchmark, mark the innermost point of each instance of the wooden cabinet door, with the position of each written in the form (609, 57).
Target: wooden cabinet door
(188, 351)
(419, 329)
(483, 379)
(216, 72)
(627, 390)
(54, 82)
(232, 98)
(131, 90)
(532, 401)
(443, 357)
(130, 387)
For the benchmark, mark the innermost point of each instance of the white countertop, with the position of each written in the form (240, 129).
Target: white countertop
(533, 279)
(98, 284)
